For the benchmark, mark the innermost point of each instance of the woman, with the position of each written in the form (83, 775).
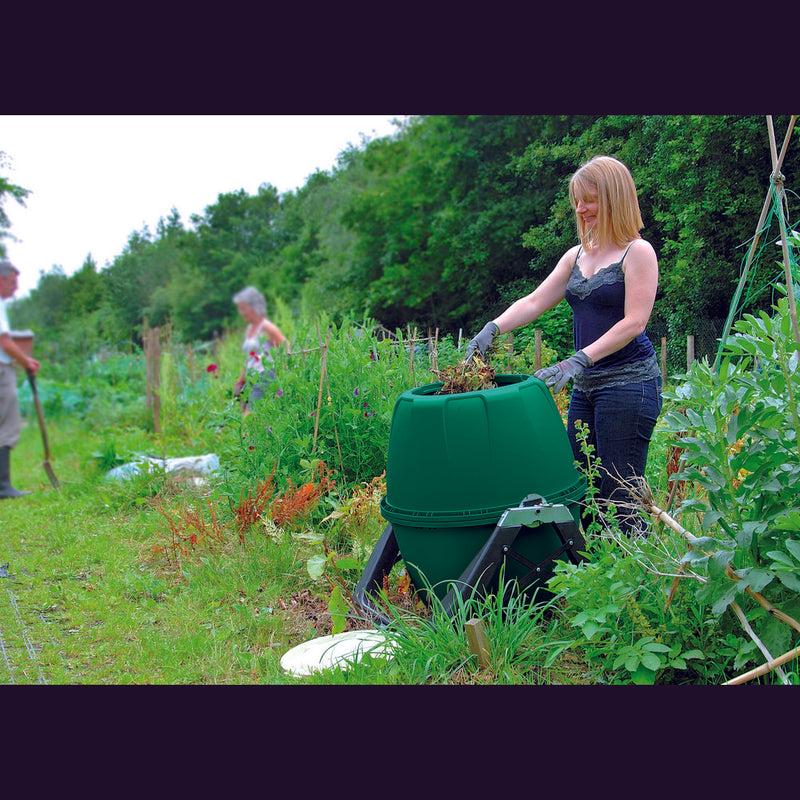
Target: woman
(260, 336)
(609, 280)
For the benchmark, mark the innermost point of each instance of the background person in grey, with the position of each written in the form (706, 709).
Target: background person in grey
(10, 353)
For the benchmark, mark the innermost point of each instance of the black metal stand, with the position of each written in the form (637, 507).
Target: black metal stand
(533, 511)
(385, 555)
(478, 576)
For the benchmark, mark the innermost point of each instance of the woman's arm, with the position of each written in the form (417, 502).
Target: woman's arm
(547, 294)
(276, 338)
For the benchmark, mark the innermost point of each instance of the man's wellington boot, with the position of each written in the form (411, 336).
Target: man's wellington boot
(6, 489)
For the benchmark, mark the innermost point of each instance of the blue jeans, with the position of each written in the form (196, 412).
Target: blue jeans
(621, 420)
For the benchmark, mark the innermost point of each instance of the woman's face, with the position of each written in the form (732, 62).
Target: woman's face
(246, 310)
(586, 207)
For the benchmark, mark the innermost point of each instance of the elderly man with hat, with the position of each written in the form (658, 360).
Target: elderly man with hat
(10, 353)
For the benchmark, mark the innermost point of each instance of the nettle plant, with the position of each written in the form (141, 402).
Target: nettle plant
(739, 430)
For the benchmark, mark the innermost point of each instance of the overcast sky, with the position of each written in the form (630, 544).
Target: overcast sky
(94, 180)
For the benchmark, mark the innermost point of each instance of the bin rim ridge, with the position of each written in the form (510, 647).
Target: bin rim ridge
(506, 381)
(473, 516)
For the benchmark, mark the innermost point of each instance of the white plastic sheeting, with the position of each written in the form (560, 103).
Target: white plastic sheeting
(205, 465)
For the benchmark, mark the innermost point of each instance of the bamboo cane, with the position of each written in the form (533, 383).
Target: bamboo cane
(762, 219)
(759, 644)
(778, 182)
(729, 572)
(764, 603)
(764, 668)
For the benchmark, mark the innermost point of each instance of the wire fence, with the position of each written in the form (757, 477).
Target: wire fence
(677, 353)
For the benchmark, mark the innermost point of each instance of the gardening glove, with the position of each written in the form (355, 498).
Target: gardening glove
(482, 342)
(556, 377)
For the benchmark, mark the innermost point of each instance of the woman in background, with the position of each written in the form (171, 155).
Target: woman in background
(260, 336)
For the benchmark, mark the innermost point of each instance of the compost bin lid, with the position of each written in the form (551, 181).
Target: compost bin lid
(338, 649)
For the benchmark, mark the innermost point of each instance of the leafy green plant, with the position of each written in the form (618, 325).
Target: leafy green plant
(624, 617)
(617, 603)
(334, 568)
(739, 428)
(332, 400)
(106, 456)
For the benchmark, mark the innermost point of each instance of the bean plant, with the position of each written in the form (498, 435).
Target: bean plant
(739, 428)
(670, 608)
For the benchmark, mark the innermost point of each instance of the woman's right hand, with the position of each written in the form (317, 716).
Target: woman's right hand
(482, 342)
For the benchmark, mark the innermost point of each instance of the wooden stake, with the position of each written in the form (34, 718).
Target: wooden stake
(151, 340)
(319, 396)
(478, 642)
(537, 358)
(333, 416)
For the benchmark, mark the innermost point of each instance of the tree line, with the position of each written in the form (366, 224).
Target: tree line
(439, 225)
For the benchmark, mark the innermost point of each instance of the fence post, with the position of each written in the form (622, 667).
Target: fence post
(689, 352)
(537, 353)
(152, 350)
(664, 360)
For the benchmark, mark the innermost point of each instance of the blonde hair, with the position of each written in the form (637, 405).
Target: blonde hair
(619, 219)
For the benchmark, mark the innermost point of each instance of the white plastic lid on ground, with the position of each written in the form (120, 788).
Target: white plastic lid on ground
(338, 649)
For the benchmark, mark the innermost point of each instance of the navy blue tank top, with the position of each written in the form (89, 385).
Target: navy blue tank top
(598, 303)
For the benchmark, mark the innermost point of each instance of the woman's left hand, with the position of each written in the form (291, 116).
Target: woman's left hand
(556, 377)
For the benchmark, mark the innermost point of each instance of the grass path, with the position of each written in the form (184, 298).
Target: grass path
(83, 601)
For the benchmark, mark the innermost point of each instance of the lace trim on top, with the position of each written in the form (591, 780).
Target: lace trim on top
(582, 286)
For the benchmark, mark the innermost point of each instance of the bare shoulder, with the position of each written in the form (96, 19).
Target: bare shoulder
(643, 249)
(566, 262)
(641, 255)
(272, 330)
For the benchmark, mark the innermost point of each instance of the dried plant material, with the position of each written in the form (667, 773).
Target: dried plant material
(298, 502)
(188, 529)
(466, 376)
(250, 509)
